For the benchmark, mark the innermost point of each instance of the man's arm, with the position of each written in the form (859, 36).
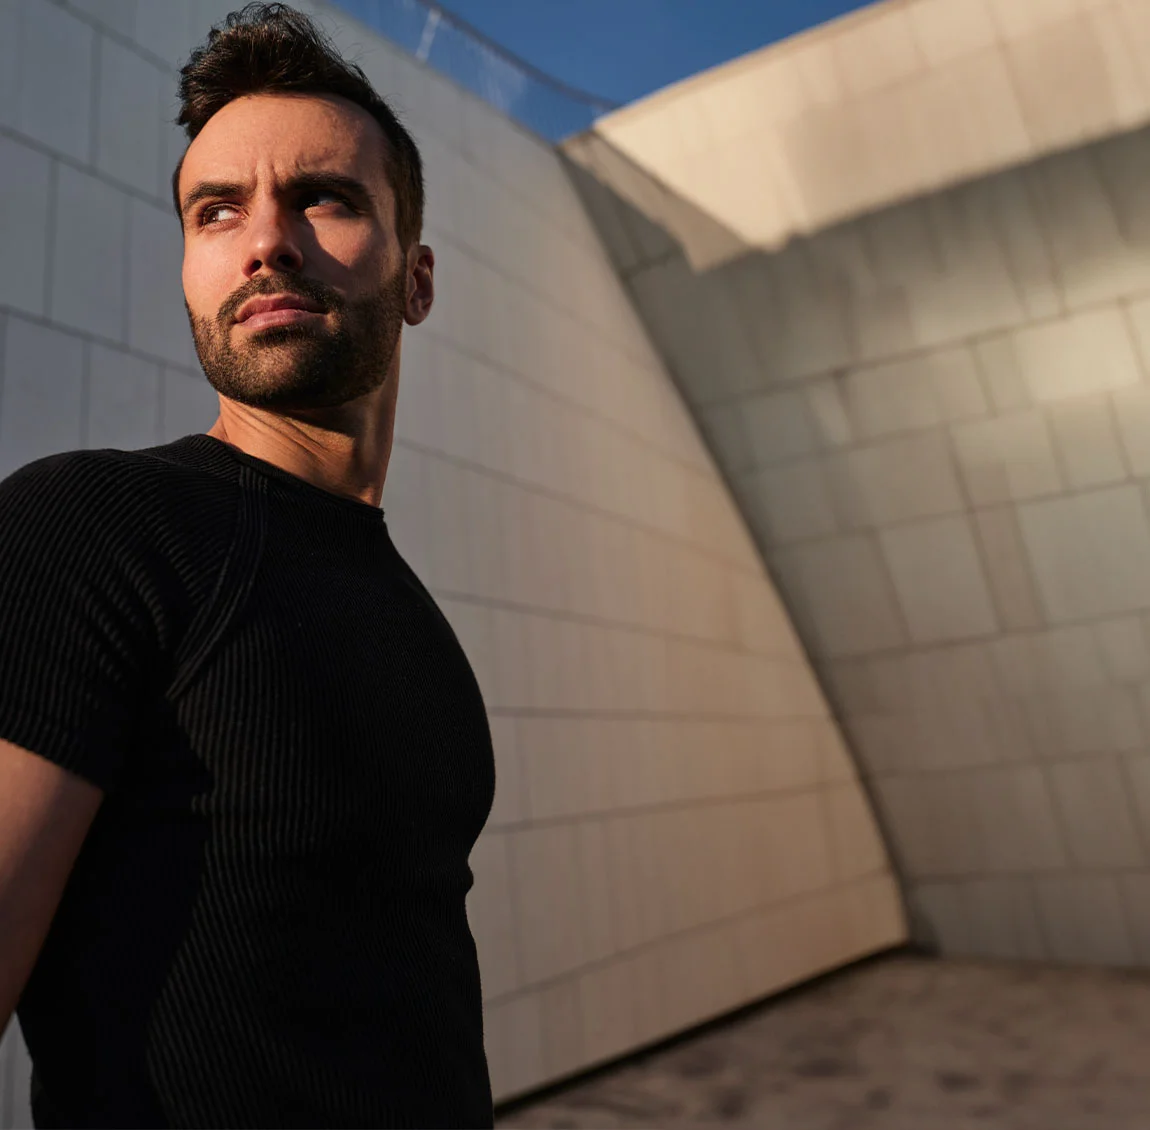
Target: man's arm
(45, 813)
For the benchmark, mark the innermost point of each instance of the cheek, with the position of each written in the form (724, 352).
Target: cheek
(205, 283)
(351, 257)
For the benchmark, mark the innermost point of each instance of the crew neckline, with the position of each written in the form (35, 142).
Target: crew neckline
(271, 471)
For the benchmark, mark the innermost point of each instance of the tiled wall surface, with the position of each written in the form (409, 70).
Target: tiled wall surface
(677, 828)
(937, 419)
(901, 98)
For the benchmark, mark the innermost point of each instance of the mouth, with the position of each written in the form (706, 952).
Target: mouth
(277, 310)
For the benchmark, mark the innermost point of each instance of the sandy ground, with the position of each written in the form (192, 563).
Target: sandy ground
(899, 1043)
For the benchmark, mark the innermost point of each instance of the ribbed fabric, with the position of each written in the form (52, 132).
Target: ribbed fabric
(266, 923)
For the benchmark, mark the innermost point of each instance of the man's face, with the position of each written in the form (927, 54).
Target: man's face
(294, 279)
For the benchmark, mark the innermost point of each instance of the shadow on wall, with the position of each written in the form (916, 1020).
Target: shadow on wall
(655, 219)
(936, 420)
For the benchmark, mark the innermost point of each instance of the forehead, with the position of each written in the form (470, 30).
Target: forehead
(281, 134)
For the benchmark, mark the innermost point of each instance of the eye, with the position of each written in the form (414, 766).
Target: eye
(320, 196)
(211, 214)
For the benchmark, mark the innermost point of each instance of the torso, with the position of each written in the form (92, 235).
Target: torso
(297, 825)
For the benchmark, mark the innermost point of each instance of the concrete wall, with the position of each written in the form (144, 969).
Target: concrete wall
(937, 419)
(901, 98)
(677, 828)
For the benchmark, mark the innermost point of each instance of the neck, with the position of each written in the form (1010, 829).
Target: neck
(344, 450)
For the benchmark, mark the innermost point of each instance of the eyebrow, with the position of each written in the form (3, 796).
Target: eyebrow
(215, 189)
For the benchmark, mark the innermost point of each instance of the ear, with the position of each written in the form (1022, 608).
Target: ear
(420, 283)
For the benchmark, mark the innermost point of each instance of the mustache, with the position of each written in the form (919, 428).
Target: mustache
(311, 290)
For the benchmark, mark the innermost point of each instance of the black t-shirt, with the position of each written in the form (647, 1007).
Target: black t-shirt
(266, 924)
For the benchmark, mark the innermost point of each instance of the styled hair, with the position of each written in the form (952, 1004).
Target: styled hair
(272, 49)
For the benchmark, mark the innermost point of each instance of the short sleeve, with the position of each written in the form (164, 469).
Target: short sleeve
(79, 645)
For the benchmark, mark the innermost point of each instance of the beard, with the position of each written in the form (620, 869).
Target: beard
(285, 368)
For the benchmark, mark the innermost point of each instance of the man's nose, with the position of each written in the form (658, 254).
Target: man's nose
(273, 243)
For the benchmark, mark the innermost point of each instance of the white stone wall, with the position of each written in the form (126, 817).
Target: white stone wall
(677, 828)
(937, 419)
(896, 100)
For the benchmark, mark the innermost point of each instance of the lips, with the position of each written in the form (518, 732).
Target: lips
(271, 303)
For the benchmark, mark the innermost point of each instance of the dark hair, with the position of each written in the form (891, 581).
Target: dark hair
(271, 48)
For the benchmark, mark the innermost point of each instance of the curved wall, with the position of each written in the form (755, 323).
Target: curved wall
(937, 421)
(678, 829)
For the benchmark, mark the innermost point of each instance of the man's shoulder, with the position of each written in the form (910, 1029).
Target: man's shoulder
(112, 494)
(184, 463)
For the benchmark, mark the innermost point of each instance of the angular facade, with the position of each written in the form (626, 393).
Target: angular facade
(899, 100)
(921, 355)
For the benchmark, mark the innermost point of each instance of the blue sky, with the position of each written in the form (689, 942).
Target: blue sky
(623, 49)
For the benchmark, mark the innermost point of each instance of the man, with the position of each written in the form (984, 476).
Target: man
(243, 759)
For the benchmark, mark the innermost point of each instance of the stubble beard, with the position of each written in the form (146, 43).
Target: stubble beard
(294, 368)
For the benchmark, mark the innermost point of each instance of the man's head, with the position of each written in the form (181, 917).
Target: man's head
(299, 188)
